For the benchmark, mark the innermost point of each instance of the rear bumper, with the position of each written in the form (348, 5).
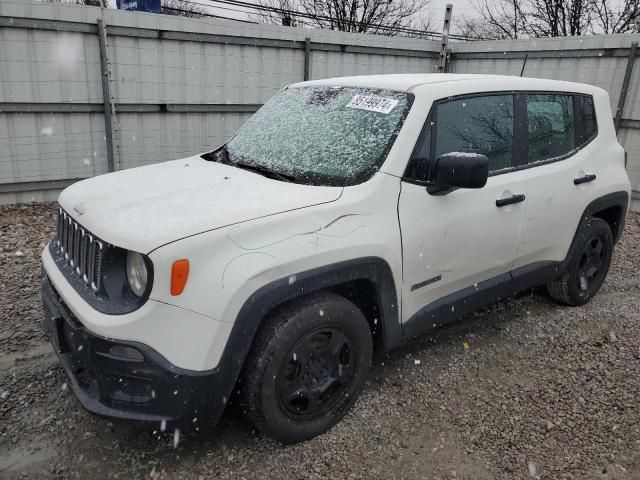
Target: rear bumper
(125, 379)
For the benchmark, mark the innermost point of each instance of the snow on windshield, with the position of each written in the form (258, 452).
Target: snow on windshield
(327, 135)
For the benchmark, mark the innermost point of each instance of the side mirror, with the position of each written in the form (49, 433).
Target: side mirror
(460, 170)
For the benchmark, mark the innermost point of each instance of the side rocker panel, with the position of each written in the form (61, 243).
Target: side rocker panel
(467, 300)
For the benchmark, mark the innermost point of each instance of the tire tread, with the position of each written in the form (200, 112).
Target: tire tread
(559, 288)
(269, 340)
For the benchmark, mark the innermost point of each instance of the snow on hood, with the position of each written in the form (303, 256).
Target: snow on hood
(143, 208)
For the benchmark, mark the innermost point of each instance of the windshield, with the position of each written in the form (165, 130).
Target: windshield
(321, 135)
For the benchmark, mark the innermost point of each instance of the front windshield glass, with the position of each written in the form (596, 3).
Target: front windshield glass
(321, 135)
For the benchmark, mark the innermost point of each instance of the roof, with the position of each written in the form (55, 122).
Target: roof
(401, 81)
(408, 82)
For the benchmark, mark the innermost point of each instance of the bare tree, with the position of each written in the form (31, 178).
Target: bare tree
(280, 12)
(183, 8)
(423, 23)
(531, 18)
(372, 16)
(550, 18)
(388, 17)
(616, 17)
(478, 28)
(557, 18)
(496, 20)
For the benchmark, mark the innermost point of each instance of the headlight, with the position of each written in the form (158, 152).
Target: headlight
(136, 273)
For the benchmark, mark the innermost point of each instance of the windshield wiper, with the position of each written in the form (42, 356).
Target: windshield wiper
(223, 156)
(265, 172)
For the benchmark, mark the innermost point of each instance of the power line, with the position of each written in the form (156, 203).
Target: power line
(207, 5)
(204, 14)
(298, 15)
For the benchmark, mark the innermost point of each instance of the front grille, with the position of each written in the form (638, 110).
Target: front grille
(81, 250)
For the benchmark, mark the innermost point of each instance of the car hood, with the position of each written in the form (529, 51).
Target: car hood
(143, 208)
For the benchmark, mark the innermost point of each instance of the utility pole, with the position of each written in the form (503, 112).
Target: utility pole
(515, 19)
(444, 44)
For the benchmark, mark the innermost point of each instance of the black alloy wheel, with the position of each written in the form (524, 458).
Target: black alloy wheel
(590, 263)
(587, 264)
(315, 373)
(306, 367)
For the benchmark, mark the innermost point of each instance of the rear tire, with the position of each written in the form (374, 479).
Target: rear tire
(308, 364)
(589, 260)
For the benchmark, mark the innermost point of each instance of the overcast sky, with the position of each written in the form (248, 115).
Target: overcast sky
(460, 7)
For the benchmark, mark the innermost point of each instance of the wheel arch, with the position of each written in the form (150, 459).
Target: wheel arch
(612, 208)
(371, 273)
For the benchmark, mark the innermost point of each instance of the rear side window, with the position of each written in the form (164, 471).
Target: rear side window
(477, 125)
(551, 126)
(586, 119)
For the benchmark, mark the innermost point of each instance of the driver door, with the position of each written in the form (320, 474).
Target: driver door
(459, 246)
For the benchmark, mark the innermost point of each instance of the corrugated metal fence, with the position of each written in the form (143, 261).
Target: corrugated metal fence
(172, 86)
(84, 89)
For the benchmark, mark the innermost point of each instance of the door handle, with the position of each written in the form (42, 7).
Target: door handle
(586, 179)
(517, 198)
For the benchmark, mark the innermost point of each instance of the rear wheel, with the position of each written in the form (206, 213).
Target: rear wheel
(307, 366)
(589, 260)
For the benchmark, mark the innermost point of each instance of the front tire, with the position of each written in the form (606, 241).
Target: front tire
(307, 366)
(589, 260)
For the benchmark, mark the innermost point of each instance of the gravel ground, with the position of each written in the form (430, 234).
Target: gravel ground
(525, 389)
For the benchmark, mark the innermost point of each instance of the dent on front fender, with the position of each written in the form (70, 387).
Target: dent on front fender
(228, 265)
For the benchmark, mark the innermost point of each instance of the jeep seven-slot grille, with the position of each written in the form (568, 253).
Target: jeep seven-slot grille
(80, 249)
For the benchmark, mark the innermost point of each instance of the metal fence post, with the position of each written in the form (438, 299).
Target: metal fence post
(524, 64)
(307, 58)
(625, 85)
(444, 45)
(106, 93)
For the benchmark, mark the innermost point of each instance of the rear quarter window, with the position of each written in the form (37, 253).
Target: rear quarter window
(551, 126)
(586, 119)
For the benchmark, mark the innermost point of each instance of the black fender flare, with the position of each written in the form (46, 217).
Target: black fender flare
(277, 292)
(615, 199)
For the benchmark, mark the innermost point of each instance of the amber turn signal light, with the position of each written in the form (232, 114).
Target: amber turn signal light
(179, 275)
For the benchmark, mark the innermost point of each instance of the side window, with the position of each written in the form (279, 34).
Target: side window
(586, 119)
(469, 125)
(551, 126)
(477, 125)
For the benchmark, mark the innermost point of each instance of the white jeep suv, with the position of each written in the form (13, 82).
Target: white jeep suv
(347, 214)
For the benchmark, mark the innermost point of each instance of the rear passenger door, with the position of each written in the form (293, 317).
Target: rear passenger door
(463, 243)
(559, 134)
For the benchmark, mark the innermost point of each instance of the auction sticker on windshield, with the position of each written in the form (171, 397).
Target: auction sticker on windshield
(372, 103)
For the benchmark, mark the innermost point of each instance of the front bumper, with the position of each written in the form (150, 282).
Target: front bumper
(126, 379)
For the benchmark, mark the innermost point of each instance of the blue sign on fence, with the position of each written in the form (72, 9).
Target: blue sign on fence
(139, 5)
